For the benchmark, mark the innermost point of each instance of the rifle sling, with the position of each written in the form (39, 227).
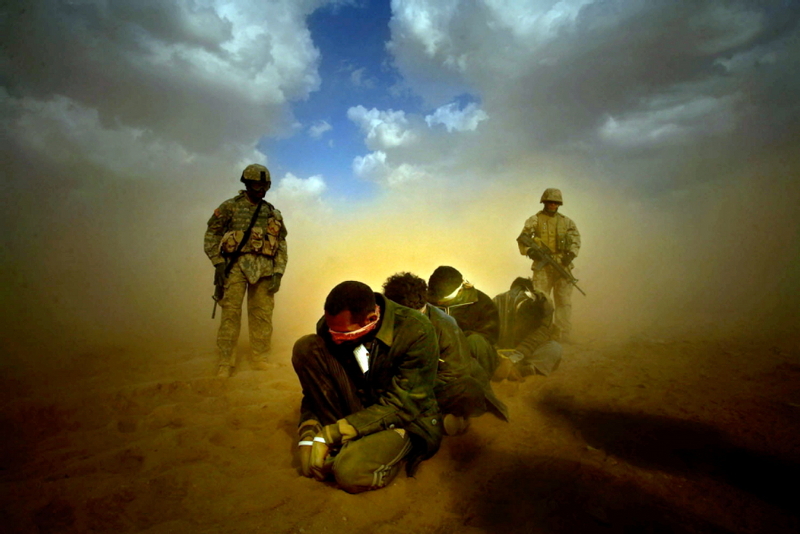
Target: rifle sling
(245, 239)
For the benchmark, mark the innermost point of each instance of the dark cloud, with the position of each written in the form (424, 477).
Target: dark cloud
(670, 130)
(549, 76)
(176, 70)
(656, 62)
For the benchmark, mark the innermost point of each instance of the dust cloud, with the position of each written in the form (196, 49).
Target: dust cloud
(101, 261)
(117, 424)
(671, 132)
(681, 262)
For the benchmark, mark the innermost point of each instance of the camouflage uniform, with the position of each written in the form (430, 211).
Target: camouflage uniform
(263, 256)
(559, 233)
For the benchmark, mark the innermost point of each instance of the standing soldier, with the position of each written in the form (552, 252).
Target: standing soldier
(560, 236)
(246, 242)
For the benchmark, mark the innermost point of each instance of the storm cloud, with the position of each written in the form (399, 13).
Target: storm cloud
(671, 128)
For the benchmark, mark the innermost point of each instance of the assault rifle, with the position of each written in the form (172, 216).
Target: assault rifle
(219, 289)
(543, 256)
(219, 292)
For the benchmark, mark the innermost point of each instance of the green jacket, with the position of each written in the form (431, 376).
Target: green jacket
(455, 360)
(402, 369)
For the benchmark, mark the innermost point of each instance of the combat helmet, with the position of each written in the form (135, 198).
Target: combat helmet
(552, 195)
(256, 173)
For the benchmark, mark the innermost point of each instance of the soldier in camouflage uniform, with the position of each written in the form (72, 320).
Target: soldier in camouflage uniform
(559, 234)
(256, 269)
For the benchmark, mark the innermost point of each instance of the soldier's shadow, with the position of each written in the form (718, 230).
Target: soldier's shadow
(687, 448)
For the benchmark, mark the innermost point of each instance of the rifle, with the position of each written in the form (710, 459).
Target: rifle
(545, 257)
(219, 292)
(219, 289)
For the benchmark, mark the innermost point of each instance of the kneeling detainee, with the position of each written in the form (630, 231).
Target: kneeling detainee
(368, 404)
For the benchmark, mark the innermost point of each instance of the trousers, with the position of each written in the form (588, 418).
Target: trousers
(463, 397)
(260, 305)
(548, 279)
(483, 351)
(368, 462)
(544, 360)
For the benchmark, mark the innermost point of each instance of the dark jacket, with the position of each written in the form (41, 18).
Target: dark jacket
(474, 312)
(455, 360)
(398, 388)
(525, 322)
(454, 357)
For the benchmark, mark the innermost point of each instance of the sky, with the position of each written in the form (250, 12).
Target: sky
(401, 135)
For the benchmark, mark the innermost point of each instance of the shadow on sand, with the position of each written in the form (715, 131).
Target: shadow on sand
(686, 448)
(546, 495)
(535, 493)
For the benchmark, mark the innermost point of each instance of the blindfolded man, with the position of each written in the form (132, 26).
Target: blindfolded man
(368, 404)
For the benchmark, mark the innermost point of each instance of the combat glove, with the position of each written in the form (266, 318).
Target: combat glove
(219, 274)
(533, 254)
(275, 282)
(567, 258)
(339, 433)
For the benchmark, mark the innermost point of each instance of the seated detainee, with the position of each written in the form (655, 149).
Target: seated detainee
(462, 386)
(472, 309)
(368, 404)
(526, 328)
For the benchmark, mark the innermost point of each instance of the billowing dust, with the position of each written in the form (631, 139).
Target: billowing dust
(676, 410)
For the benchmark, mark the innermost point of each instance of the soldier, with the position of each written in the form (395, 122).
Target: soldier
(525, 344)
(367, 377)
(560, 235)
(472, 309)
(246, 243)
(462, 386)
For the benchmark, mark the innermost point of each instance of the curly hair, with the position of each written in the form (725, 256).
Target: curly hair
(406, 289)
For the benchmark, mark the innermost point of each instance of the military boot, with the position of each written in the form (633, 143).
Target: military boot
(226, 360)
(261, 365)
(260, 362)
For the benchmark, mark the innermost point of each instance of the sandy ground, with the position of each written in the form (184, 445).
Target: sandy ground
(633, 435)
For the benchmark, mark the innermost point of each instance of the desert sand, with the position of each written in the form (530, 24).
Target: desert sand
(682, 433)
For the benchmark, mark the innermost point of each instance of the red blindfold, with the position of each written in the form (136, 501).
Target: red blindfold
(342, 337)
